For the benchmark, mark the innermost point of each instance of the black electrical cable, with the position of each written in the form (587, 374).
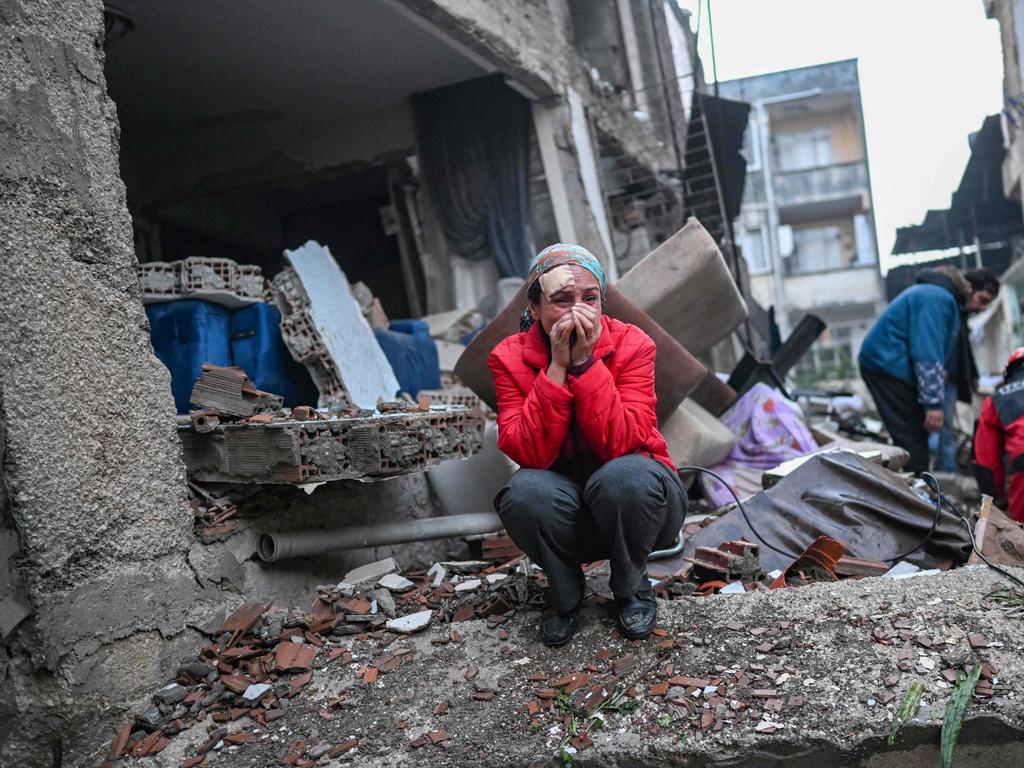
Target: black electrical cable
(765, 542)
(970, 532)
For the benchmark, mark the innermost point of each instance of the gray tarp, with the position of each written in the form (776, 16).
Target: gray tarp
(865, 506)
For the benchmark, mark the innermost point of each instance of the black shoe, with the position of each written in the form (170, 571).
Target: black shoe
(637, 615)
(557, 629)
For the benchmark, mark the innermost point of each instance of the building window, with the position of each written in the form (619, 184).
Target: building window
(816, 249)
(865, 238)
(831, 357)
(803, 149)
(751, 242)
(751, 150)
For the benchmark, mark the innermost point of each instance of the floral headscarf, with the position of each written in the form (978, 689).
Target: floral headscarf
(565, 253)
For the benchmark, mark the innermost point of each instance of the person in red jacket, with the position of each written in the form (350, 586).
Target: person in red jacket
(576, 403)
(999, 440)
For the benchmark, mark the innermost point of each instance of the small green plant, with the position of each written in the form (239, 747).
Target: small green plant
(907, 711)
(665, 720)
(953, 720)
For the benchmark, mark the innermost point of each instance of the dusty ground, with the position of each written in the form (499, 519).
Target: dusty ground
(835, 647)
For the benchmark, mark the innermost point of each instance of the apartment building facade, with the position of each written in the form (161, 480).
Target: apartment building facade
(806, 224)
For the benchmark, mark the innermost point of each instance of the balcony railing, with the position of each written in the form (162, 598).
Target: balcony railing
(824, 183)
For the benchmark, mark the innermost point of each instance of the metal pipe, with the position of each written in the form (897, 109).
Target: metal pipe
(280, 546)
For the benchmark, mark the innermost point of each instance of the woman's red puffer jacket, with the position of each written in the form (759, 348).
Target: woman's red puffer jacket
(605, 413)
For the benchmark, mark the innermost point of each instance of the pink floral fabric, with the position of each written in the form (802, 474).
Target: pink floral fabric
(769, 431)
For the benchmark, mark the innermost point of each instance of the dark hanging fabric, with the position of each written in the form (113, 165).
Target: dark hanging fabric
(474, 152)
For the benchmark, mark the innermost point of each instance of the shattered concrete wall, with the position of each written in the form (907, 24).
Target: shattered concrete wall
(92, 463)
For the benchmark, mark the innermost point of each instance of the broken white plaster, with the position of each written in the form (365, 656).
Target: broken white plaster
(413, 622)
(348, 338)
(369, 574)
(467, 586)
(255, 691)
(395, 583)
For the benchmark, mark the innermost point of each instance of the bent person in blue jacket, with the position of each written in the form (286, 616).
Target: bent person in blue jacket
(916, 347)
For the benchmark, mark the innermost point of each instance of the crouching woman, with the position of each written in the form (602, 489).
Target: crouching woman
(576, 411)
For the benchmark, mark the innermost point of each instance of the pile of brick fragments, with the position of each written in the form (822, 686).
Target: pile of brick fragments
(264, 655)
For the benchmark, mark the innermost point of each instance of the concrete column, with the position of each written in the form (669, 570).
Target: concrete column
(96, 488)
(572, 173)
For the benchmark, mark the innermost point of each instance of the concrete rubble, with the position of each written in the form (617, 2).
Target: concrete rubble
(324, 328)
(254, 441)
(220, 281)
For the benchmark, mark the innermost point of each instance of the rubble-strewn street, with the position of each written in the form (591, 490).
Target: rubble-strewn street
(805, 676)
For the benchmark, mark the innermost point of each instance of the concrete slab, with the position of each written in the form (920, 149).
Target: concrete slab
(346, 337)
(343, 448)
(828, 657)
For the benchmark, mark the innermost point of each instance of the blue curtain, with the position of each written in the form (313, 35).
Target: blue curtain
(474, 152)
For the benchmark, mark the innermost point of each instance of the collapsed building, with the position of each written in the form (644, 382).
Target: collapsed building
(138, 134)
(159, 158)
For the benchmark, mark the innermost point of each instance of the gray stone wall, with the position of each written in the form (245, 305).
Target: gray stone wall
(96, 486)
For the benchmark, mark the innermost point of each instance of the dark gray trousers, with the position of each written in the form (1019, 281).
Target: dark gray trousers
(902, 415)
(628, 508)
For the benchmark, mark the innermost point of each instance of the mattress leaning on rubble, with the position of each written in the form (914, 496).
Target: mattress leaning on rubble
(362, 446)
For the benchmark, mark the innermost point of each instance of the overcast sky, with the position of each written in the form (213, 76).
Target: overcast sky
(929, 74)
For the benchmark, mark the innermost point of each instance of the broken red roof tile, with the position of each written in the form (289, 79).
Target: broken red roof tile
(763, 693)
(707, 719)
(436, 737)
(236, 683)
(243, 619)
(689, 682)
(370, 675)
(977, 640)
(243, 737)
(659, 689)
(298, 750)
(766, 647)
(483, 695)
(464, 613)
(546, 693)
(471, 671)
(120, 743)
(357, 605)
(299, 683)
(623, 665)
(536, 677)
(342, 748)
(441, 708)
(194, 762)
(289, 655)
(212, 741)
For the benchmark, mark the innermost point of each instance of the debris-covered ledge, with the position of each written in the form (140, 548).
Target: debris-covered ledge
(801, 677)
(285, 449)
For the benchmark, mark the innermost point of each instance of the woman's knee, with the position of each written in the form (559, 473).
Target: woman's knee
(537, 496)
(630, 479)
